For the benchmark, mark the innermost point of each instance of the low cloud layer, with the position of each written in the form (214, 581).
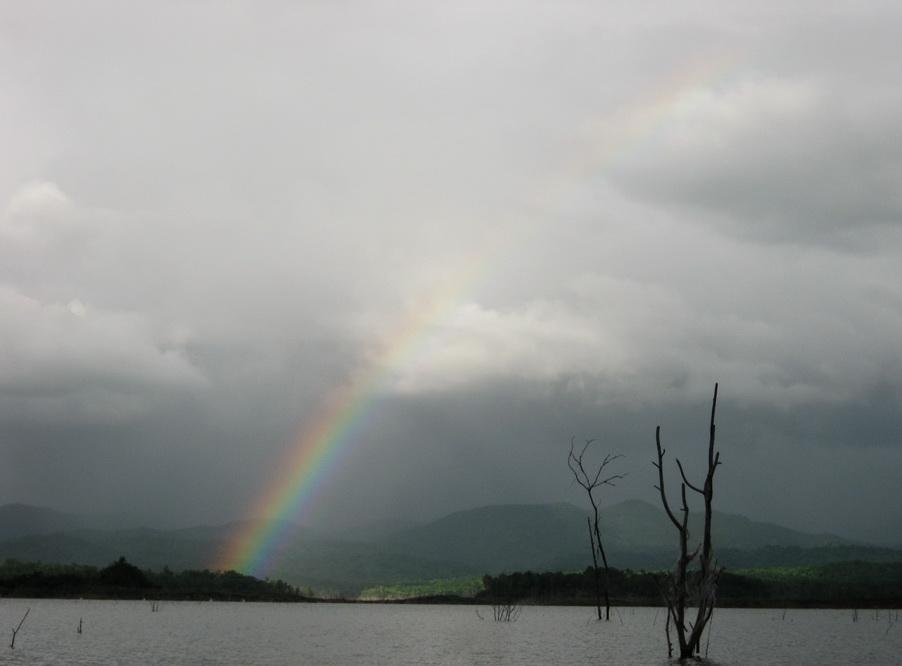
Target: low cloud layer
(212, 217)
(778, 160)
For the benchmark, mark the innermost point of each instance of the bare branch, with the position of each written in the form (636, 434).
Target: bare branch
(686, 481)
(712, 429)
(610, 480)
(608, 459)
(660, 485)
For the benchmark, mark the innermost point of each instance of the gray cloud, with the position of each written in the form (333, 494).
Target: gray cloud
(778, 160)
(211, 217)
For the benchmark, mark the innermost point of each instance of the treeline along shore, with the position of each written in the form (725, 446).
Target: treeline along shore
(122, 580)
(837, 585)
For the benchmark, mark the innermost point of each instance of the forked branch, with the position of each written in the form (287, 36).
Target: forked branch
(12, 643)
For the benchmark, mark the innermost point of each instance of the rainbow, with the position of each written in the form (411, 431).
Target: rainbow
(255, 548)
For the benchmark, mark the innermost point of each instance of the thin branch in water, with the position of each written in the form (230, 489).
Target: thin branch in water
(12, 643)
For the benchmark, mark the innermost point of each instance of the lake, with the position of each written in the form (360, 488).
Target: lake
(128, 632)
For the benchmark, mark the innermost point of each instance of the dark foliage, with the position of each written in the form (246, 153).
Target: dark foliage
(851, 584)
(122, 580)
(122, 574)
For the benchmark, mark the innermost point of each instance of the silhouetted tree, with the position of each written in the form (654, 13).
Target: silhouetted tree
(122, 574)
(683, 589)
(591, 481)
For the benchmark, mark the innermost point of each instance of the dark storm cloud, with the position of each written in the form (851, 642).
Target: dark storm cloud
(210, 217)
(509, 442)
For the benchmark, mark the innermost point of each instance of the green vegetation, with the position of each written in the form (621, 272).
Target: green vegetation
(121, 580)
(838, 583)
(844, 584)
(851, 573)
(466, 587)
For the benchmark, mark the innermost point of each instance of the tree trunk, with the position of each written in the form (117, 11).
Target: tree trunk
(683, 589)
(595, 569)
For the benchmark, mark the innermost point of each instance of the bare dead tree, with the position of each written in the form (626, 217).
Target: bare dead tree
(683, 589)
(12, 643)
(506, 612)
(591, 480)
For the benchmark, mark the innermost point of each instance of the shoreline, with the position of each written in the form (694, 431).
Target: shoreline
(764, 604)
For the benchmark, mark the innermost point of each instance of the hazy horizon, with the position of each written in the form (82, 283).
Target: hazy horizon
(495, 227)
(374, 530)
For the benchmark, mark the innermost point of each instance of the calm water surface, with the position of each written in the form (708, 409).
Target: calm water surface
(127, 632)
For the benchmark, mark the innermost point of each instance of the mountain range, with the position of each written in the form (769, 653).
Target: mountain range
(484, 540)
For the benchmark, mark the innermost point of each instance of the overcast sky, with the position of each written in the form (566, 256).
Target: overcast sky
(212, 215)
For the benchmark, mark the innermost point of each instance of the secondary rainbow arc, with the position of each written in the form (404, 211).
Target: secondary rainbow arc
(256, 547)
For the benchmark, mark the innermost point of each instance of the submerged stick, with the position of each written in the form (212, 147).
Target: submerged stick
(12, 643)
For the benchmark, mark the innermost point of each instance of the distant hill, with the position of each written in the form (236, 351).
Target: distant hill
(485, 540)
(554, 536)
(19, 520)
(310, 559)
(498, 538)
